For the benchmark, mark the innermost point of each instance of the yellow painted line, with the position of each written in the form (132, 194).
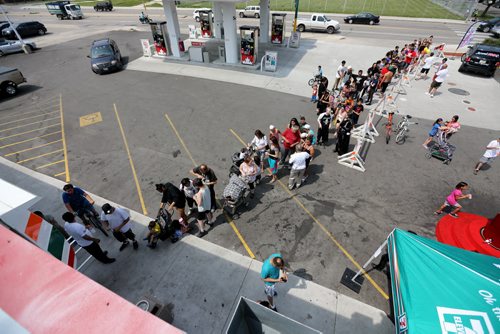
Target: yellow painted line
(64, 140)
(27, 140)
(180, 139)
(59, 174)
(50, 164)
(32, 148)
(226, 216)
(137, 185)
(324, 229)
(28, 124)
(39, 156)
(25, 132)
(37, 107)
(23, 119)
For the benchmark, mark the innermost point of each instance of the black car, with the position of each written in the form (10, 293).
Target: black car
(25, 29)
(105, 56)
(103, 6)
(366, 18)
(487, 25)
(481, 58)
(3, 25)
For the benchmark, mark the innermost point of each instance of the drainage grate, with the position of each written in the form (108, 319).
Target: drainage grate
(452, 84)
(458, 91)
(466, 102)
(471, 109)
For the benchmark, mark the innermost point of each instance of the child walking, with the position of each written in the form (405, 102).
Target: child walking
(314, 96)
(453, 198)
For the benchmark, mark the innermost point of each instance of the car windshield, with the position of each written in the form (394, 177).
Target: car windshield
(101, 51)
(490, 55)
(326, 18)
(74, 7)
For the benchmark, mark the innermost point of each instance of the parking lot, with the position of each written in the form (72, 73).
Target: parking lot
(126, 131)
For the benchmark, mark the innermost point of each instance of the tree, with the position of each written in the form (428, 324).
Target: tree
(488, 4)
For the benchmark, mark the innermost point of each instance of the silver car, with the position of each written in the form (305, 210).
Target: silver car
(11, 46)
(496, 30)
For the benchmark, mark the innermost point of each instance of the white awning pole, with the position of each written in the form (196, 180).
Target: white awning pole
(23, 46)
(374, 256)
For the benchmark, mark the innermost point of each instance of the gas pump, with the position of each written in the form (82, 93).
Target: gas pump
(160, 38)
(249, 44)
(206, 20)
(278, 28)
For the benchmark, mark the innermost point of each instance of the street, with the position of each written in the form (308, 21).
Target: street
(170, 123)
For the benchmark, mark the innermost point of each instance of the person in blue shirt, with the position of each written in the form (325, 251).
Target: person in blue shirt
(273, 272)
(438, 125)
(77, 201)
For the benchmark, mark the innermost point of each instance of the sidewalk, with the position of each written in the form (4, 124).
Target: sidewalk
(201, 282)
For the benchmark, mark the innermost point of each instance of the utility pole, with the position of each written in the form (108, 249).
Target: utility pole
(296, 15)
(23, 45)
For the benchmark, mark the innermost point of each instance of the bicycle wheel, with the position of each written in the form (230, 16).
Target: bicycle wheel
(97, 223)
(310, 82)
(401, 137)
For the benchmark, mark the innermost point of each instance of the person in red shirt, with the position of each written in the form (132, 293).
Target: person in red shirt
(290, 137)
(410, 56)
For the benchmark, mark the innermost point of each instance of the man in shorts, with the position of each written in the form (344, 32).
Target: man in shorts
(438, 80)
(492, 151)
(428, 62)
(119, 221)
(203, 202)
(273, 272)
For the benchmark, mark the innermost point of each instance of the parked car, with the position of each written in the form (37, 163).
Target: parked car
(487, 25)
(103, 6)
(495, 31)
(13, 46)
(10, 78)
(105, 56)
(318, 22)
(250, 11)
(366, 18)
(196, 14)
(25, 29)
(481, 58)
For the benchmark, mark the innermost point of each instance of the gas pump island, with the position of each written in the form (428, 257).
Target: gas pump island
(249, 44)
(278, 28)
(160, 38)
(206, 23)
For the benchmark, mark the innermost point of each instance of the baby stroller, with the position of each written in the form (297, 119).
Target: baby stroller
(237, 160)
(168, 226)
(441, 149)
(235, 195)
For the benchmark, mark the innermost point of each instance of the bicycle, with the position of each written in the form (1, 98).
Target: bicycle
(314, 80)
(403, 129)
(89, 217)
(388, 127)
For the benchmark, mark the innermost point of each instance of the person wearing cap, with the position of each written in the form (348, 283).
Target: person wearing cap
(119, 221)
(310, 133)
(83, 237)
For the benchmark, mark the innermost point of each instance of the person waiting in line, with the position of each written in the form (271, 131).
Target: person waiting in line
(119, 221)
(344, 136)
(189, 190)
(77, 201)
(273, 156)
(175, 199)
(249, 171)
(324, 122)
(260, 143)
(202, 199)
(290, 138)
(209, 179)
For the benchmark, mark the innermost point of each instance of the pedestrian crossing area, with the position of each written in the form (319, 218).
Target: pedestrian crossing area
(460, 31)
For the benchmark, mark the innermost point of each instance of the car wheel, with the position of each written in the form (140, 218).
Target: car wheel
(330, 30)
(30, 48)
(242, 15)
(372, 23)
(256, 15)
(41, 32)
(10, 89)
(301, 28)
(1, 53)
(486, 29)
(350, 21)
(492, 74)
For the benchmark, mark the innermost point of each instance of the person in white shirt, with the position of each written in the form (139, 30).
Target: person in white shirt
(298, 163)
(189, 191)
(119, 221)
(83, 237)
(438, 80)
(492, 151)
(260, 143)
(339, 75)
(428, 62)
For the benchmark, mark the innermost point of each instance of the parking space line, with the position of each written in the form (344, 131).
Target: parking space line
(59, 174)
(64, 140)
(51, 164)
(39, 156)
(324, 229)
(33, 148)
(27, 140)
(28, 124)
(22, 133)
(226, 216)
(23, 119)
(139, 191)
(33, 110)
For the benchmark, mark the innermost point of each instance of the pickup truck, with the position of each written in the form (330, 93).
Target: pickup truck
(9, 79)
(64, 10)
(318, 22)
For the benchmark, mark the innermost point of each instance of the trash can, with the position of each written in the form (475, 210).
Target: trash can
(252, 318)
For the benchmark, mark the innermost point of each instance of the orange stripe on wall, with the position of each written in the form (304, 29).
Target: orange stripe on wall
(33, 227)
